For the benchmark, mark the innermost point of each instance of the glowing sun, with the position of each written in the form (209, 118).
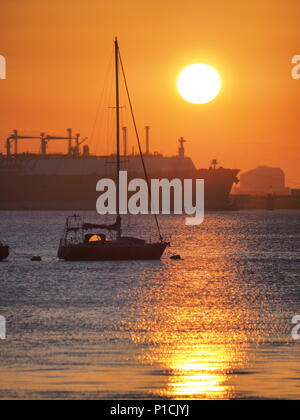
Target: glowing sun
(199, 84)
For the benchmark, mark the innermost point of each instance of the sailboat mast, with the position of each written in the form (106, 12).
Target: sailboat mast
(118, 136)
(139, 143)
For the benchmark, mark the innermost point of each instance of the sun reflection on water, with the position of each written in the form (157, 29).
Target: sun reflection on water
(194, 370)
(192, 336)
(197, 378)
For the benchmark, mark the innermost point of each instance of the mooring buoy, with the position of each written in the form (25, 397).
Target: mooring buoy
(36, 258)
(176, 257)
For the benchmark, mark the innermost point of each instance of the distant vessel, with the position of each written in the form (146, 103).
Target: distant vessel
(4, 252)
(68, 182)
(77, 245)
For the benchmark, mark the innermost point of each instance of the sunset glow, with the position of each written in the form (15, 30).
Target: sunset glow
(65, 67)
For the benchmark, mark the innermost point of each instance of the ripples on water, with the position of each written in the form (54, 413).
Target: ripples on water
(215, 325)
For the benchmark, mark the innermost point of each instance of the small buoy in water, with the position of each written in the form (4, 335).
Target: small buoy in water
(36, 258)
(176, 257)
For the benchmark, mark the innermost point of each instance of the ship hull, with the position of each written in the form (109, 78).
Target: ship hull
(78, 192)
(107, 252)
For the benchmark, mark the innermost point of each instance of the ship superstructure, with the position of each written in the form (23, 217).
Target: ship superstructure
(68, 182)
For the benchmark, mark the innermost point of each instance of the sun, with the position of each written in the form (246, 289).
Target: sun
(199, 84)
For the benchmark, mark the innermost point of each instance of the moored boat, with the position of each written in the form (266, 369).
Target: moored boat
(79, 245)
(4, 252)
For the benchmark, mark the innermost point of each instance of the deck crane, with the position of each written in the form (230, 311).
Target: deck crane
(71, 150)
(15, 137)
(78, 144)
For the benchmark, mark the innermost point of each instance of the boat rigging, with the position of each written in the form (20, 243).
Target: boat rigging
(77, 244)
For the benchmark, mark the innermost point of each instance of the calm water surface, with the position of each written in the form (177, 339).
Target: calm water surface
(215, 325)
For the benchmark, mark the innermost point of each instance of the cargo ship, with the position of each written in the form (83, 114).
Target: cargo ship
(68, 181)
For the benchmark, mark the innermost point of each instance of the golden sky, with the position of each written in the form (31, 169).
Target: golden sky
(58, 54)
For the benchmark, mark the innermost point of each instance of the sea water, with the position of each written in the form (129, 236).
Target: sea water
(215, 324)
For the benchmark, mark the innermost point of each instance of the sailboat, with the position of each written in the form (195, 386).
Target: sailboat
(4, 252)
(79, 244)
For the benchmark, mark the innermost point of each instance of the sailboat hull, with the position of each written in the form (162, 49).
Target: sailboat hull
(108, 252)
(4, 252)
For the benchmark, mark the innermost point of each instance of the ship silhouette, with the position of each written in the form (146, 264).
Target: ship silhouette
(68, 182)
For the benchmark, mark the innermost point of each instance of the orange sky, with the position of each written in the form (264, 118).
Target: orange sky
(58, 54)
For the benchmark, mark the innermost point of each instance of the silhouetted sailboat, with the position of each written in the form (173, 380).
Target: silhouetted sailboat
(4, 251)
(77, 244)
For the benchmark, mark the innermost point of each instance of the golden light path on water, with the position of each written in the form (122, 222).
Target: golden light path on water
(195, 344)
(214, 325)
(199, 325)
